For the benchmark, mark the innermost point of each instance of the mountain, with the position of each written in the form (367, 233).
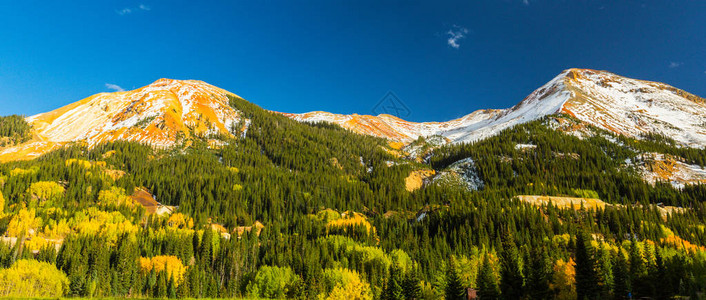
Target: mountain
(161, 114)
(251, 203)
(167, 112)
(618, 104)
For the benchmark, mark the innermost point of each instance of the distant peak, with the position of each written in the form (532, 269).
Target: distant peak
(167, 81)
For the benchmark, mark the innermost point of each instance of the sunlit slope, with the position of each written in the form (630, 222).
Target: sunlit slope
(161, 114)
(618, 104)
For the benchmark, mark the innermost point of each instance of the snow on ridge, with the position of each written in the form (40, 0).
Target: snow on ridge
(548, 99)
(614, 103)
(116, 116)
(477, 125)
(634, 107)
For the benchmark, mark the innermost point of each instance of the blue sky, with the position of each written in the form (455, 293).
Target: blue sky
(442, 59)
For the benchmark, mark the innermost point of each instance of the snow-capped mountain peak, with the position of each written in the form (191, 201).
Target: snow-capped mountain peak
(166, 111)
(622, 105)
(159, 114)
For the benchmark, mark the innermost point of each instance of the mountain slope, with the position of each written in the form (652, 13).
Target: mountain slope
(160, 114)
(168, 112)
(622, 105)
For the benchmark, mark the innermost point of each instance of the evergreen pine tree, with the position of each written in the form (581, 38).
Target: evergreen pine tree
(160, 290)
(540, 274)
(621, 284)
(171, 288)
(412, 287)
(183, 289)
(638, 271)
(664, 287)
(393, 288)
(454, 288)
(586, 275)
(511, 280)
(206, 251)
(487, 282)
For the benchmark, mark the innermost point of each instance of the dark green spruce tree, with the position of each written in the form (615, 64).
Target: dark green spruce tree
(621, 280)
(454, 288)
(511, 280)
(586, 275)
(540, 275)
(412, 287)
(393, 288)
(487, 283)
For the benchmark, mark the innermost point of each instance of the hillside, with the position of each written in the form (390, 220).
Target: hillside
(183, 190)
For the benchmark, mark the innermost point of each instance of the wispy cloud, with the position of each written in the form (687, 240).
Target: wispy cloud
(455, 35)
(114, 87)
(129, 10)
(124, 11)
(674, 64)
(525, 2)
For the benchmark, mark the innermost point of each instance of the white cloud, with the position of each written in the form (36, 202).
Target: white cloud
(525, 2)
(129, 10)
(675, 64)
(455, 35)
(124, 11)
(114, 87)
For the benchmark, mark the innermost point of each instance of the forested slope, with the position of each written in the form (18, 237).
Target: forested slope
(295, 210)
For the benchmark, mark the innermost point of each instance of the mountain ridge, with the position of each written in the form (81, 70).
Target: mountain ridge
(168, 111)
(569, 93)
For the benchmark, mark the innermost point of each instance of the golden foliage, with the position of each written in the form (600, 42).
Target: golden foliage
(564, 279)
(35, 243)
(396, 145)
(108, 224)
(115, 196)
(179, 220)
(114, 174)
(56, 230)
(78, 162)
(31, 279)
(46, 190)
(242, 229)
(22, 172)
(561, 240)
(347, 284)
(350, 220)
(416, 178)
(679, 243)
(563, 202)
(109, 154)
(23, 223)
(171, 264)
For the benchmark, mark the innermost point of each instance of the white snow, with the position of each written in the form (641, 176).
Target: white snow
(109, 116)
(677, 173)
(524, 146)
(462, 173)
(611, 102)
